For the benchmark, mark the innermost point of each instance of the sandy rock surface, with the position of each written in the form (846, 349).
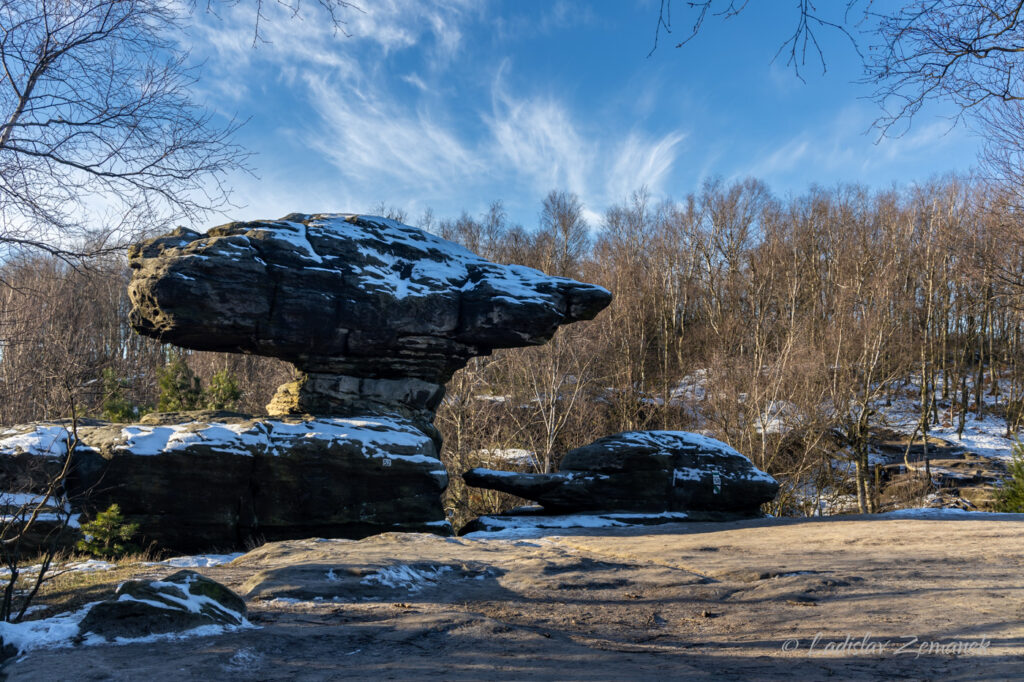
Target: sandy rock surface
(841, 598)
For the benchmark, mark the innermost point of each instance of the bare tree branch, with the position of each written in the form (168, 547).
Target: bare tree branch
(97, 116)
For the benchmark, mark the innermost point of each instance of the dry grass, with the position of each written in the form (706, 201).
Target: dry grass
(65, 589)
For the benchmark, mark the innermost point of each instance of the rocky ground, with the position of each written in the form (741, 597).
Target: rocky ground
(841, 597)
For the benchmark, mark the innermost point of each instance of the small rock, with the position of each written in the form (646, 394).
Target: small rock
(181, 601)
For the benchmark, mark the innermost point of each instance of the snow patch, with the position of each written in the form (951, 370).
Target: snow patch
(404, 261)
(514, 527)
(948, 512)
(62, 631)
(199, 560)
(44, 440)
(405, 577)
(510, 456)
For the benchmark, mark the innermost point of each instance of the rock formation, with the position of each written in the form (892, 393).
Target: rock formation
(375, 315)
(220, 480)
(643, 471)
(180, 602)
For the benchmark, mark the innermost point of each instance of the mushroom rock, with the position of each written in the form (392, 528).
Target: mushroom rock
(375, 315)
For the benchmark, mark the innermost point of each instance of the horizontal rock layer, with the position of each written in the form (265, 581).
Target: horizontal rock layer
(642, 471)
(341, 396)
(360, 296)
(225, 481)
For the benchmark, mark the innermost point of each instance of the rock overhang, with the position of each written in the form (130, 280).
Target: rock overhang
(345, 294)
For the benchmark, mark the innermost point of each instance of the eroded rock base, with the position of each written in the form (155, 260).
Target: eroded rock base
(341, 395)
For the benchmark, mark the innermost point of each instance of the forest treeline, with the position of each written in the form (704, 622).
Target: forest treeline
(779, 325)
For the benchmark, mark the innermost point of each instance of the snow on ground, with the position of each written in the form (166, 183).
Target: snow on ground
(405, 577)
(777, 417)
(87, 566)
(691, 388)
(62, 631)
(985, 436)
(946, 513)
(509, 456)
(197, 560)
(90, 565)
(511, 527)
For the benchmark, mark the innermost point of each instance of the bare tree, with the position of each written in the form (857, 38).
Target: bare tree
(549, 386)
(333, 10)
(99, 132)
(969, 53)
(802, 43)
(36, 521)
(565, 233)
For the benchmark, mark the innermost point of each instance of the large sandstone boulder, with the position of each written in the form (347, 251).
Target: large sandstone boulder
(642, 471)
(226, 481)
(372, 312)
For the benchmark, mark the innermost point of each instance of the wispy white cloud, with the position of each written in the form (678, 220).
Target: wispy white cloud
(376, 140)
(537, 138)
(462, 135)
(787, 157)
(415, 81)
(560, 15)
(643, 162)
(846, 149)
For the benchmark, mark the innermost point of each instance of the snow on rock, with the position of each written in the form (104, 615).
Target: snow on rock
(405, 577)
(181, 601)
(380, 437)
(643, 471)
(230, 463)
(355, 295)
(64, 630)
(377, 316)
(41, 440)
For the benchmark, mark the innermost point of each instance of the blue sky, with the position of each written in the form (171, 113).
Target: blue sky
(452, 105)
